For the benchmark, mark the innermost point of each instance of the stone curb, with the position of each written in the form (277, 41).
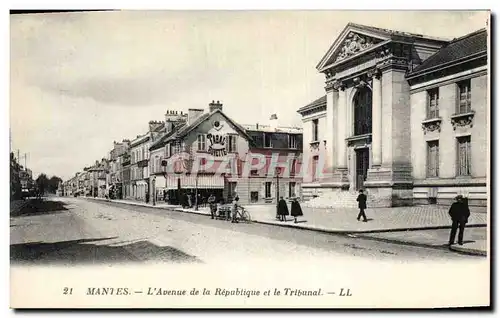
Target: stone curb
(319, 229)
(467, 250)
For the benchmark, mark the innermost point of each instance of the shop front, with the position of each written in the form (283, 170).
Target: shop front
(182, 185)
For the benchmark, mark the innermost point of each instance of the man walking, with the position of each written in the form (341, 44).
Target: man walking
(362, 205)
(459, 213)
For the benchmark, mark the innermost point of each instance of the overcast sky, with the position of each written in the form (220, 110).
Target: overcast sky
(81, 80)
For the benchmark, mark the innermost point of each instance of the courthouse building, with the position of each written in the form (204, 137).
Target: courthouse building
(405, 116)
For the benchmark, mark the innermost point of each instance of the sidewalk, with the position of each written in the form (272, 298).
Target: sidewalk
(344, 220)
(405, 225)
(477, 247)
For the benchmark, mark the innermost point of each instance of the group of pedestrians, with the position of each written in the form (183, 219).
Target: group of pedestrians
(459, 213)
(282, 211)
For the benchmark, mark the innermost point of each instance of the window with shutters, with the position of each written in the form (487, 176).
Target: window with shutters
(433, 103)
(463, 156)
(231, 143)
(292, 167)
(201, 142)
(433, 159)
(291, 189)
(177, 148)
(464, 97)
(168, 150)
(268, 189)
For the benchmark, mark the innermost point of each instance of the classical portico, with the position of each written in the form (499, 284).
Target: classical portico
(368, 113)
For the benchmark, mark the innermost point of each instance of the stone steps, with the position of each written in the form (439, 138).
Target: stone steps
(329, 198)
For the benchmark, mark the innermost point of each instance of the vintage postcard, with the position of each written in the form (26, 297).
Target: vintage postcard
(250, 159)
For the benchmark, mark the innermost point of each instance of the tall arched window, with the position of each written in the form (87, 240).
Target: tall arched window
(363, 111)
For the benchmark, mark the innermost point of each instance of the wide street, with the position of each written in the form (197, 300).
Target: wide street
(82, 231)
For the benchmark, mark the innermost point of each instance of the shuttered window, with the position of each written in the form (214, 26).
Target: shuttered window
(464, 97)
(268, 189)
(433, 103)
(433, 158)
(231, 143)
(201, 142)
(463, 156)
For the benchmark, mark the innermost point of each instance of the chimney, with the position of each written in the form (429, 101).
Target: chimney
(213, 106)
(170, 116)
(153, 125)
(193, 114)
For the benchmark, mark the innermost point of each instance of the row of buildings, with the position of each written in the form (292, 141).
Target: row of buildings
(157, 165)
(21, 180)
(404, 116)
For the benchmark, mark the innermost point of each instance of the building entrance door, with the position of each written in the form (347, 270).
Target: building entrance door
(362, 163)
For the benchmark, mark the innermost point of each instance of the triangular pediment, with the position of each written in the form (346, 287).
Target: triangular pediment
(352, 40)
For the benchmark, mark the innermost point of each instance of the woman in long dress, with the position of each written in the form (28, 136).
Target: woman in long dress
(282, 209)
(296, 209)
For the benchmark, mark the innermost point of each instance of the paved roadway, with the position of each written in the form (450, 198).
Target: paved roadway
(81, 231)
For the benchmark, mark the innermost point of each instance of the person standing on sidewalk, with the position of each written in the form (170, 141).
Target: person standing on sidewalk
(459, 213)
(296, 209)
(234, 210)
(282, 209)
(213, 205)
(362, 205)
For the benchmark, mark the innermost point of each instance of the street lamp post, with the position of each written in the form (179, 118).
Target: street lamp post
(196, 192)
(153, 190)
(277, 192)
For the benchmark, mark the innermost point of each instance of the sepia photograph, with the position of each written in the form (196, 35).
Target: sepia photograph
(250, 159)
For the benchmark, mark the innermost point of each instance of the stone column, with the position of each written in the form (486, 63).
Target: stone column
(340, 176)
(330, 138)
(376, 120)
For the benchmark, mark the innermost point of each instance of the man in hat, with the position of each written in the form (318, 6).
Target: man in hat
(362, 205)
(459, 213)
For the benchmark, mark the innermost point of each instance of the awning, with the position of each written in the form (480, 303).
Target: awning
(160, 182)
(189, 182)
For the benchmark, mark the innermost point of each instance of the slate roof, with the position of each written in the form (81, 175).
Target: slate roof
(459, 49)
(317, 103)
(188, 128)
(163, 139)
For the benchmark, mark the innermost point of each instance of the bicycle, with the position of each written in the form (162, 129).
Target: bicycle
(243, 215)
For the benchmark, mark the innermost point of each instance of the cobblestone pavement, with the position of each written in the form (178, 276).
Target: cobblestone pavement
(438, 238)
(379, 219)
